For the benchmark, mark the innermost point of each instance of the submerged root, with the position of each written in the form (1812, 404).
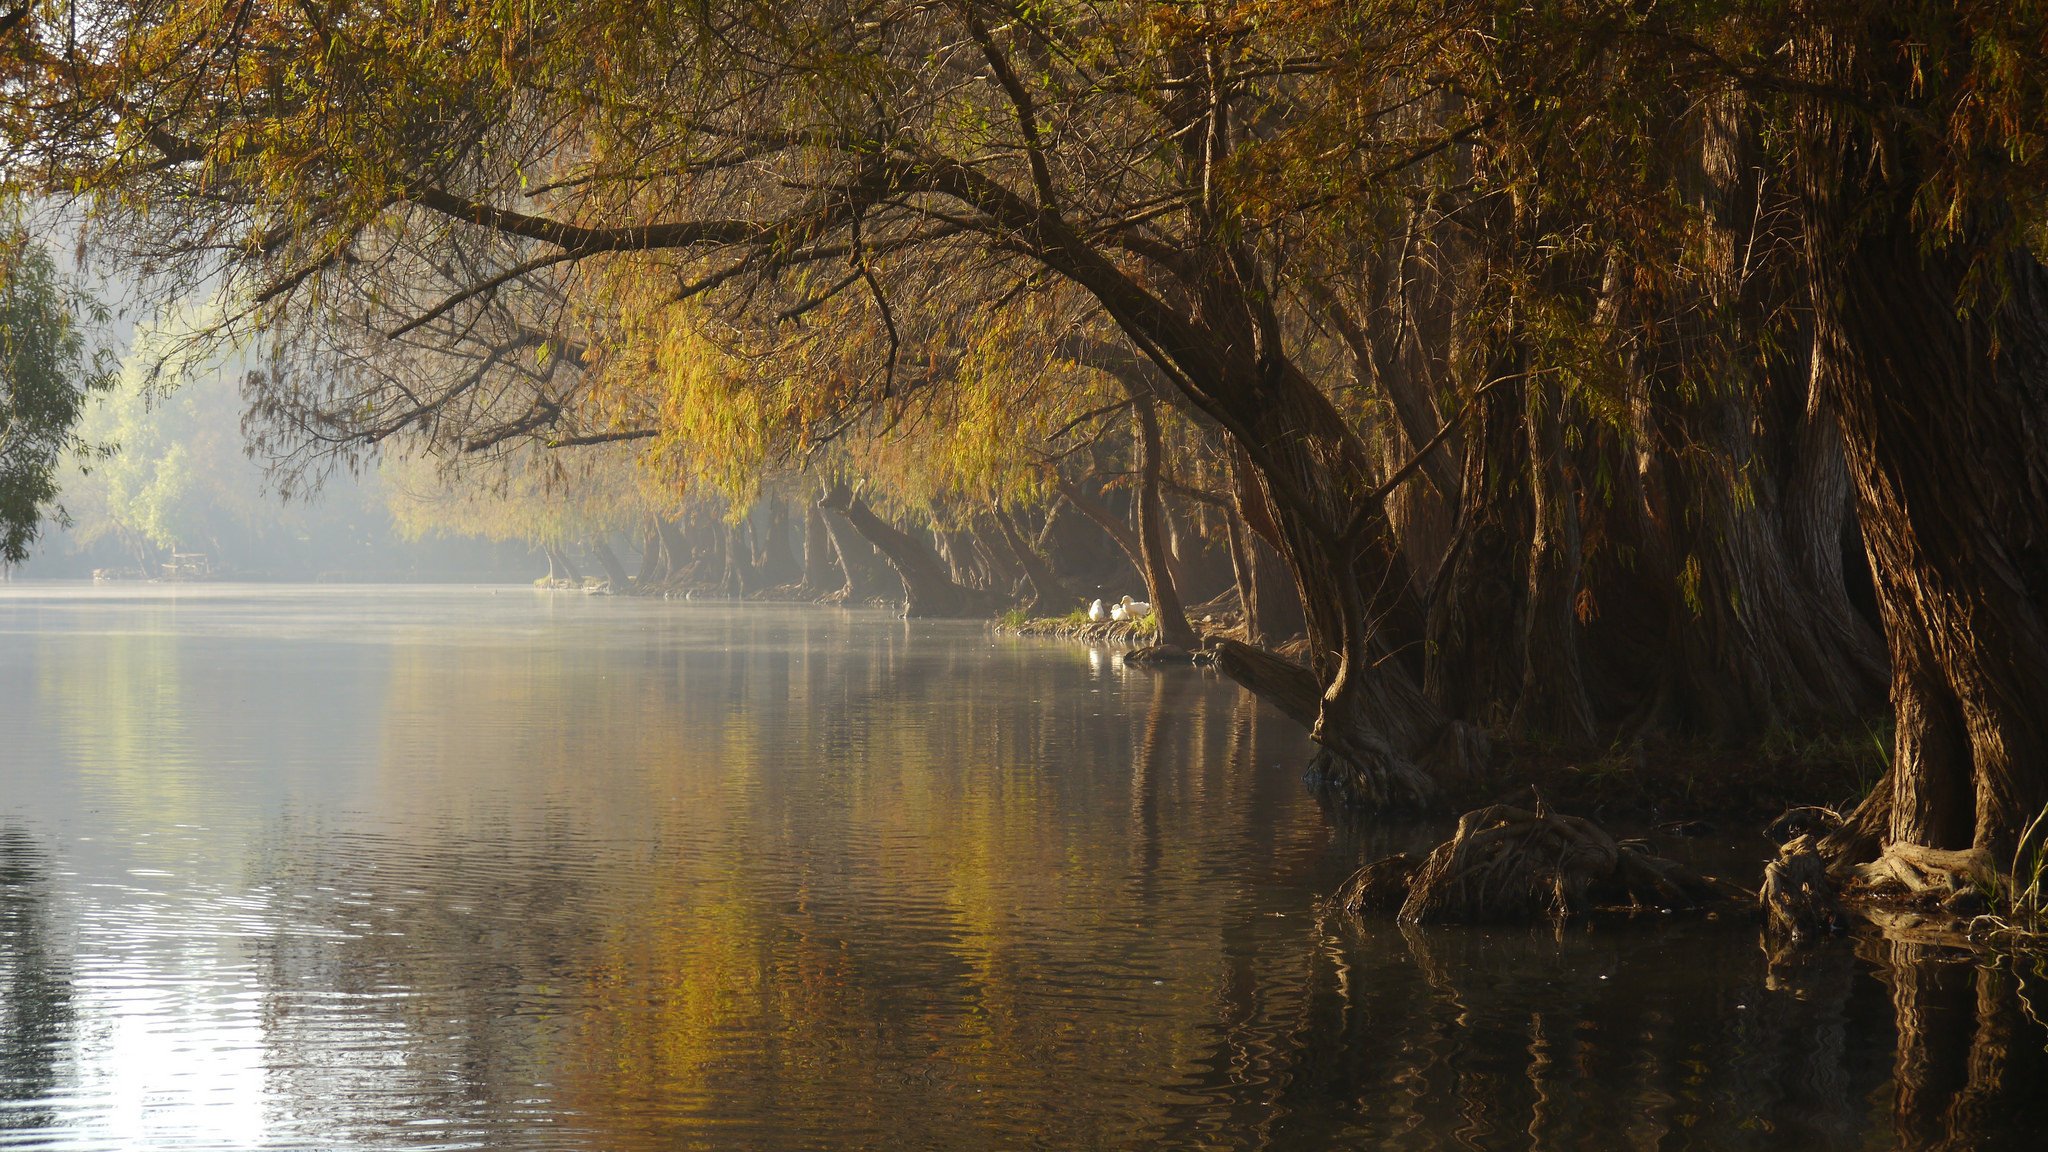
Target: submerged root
(1509, 864)
(1380, 886)
(1369, 776)
(1153, 655)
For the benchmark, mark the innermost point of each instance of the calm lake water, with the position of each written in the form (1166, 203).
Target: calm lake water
(455, 868)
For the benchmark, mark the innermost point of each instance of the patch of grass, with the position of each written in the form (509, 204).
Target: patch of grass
(1014, 618)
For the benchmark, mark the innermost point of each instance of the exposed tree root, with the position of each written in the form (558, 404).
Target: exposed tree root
(1798, 896)
(1380, 886)
(1510, 864)
(1366, 774)
(1154, 655)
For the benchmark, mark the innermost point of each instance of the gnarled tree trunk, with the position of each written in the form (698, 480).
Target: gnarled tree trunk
(1933, 351)
(928, 587)
(867, 578)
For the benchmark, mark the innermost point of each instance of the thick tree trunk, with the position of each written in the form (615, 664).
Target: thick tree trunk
(963, 559)
(1934, 355)
(822, 575)
(867, 579)
(1167, 612)
(928, 587)
(675, 548)
(614, 571)
(557, 559)
(1049, 595)
(1384, 745)
(1006, 571)
(778, 564)
(1946, 443)
(1552, 704)
(653, 564)
(1476, 602)
(736, 576)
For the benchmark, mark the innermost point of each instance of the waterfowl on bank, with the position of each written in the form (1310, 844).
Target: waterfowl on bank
(1096, 613)
(1129, 609)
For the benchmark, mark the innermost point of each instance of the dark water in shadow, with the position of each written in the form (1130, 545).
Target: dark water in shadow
(445, 869)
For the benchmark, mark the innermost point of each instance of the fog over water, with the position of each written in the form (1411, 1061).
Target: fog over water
(466, 867)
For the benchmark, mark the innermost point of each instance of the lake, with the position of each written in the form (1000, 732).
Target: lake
(406, 867)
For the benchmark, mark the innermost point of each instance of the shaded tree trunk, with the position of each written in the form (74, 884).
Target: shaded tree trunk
(1241, 572)
(674, 546)
(559, 560)
(614, 571)
(1551, 703)
(1942, 397)
(928, 586)
(778, 564)
(1476, 604)
(1049, 595)
(653, 561)
(866, 578)
(736, 576)
(822, 574)
(1171, 618)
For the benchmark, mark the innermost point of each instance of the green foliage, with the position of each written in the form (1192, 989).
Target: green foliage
(46, 376)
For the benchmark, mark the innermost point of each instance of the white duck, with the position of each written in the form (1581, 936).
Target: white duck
(1129, 609)
(1096, 612)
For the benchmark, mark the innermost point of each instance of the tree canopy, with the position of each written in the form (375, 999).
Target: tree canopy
(47, 375)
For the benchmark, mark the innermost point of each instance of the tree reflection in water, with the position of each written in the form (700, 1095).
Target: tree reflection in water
(761, 879)
(35, 987)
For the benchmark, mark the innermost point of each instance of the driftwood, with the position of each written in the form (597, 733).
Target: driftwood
(1509, 864)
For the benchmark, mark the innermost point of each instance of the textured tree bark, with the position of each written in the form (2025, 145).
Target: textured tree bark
(1942, 397)
(1172, 619)
(1944, 442)
(928, 587)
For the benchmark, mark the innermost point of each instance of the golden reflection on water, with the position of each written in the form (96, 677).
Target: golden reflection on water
(434, 868)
